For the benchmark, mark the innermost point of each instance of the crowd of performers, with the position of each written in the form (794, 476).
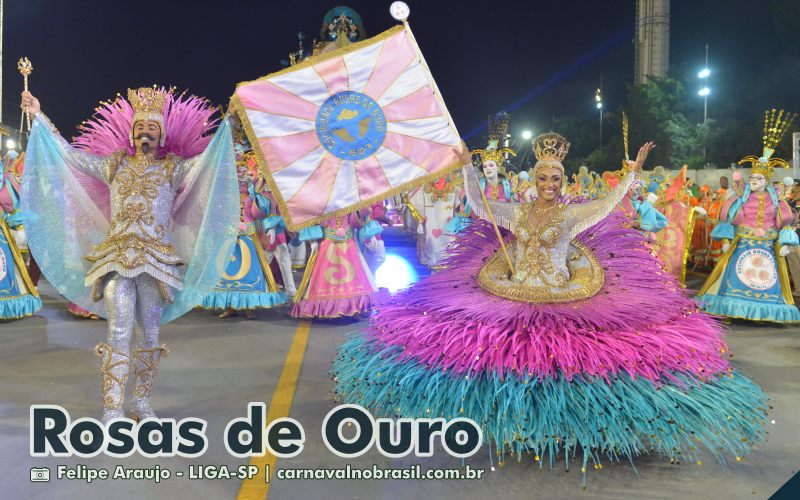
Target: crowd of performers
(591, 342)
(677, 217)
(556, 316)
(337, 259)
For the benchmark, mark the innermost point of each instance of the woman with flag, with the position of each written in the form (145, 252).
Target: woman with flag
(567, 337)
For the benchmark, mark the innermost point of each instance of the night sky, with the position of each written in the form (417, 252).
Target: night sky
(536, 59)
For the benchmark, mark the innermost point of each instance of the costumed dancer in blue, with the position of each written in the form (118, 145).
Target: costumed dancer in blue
(275, 236)
(642, 211)
(369, 236)
(18, 295)
(248, 282)
(751, 281)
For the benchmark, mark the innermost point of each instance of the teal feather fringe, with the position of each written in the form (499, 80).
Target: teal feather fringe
(543, 417)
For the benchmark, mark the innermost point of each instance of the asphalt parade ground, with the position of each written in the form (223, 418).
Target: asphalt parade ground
(216, 367)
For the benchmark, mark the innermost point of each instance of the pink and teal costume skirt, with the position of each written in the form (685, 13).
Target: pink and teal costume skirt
(634, 369)
(18, 295)
(337, 281)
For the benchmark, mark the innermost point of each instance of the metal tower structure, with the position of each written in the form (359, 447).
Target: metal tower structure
(652, 39)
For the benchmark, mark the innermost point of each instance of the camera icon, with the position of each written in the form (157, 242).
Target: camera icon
(40, 475)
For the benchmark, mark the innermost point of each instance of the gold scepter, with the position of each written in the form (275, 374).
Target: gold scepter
(25, 68)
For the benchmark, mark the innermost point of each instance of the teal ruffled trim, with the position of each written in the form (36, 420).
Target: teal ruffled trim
(242, 300)
(310, 233)
(723, 231)
(20, 307)
(521, 415)
(733, 307)
(788, 236)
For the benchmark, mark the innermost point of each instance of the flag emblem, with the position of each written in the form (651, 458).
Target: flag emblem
(351, 125)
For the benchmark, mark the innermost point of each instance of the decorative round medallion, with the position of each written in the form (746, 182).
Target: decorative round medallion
(351, 125)
(756, 269)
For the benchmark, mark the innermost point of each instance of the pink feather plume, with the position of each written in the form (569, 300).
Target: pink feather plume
(642, 322)
(188, 121)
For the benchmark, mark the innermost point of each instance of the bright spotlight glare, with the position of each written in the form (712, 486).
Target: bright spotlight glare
(527, 134)
(599, 105)
(704, 73)
(395, 274)
(704, 91)
(11, 144)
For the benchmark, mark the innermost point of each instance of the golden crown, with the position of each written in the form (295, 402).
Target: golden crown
(147, 100)
(497, 155)
(775, 127)
(550, 148)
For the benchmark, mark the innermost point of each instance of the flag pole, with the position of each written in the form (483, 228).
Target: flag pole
(404, 19)
(497, 231)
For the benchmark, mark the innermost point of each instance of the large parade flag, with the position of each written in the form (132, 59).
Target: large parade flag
(348, 128)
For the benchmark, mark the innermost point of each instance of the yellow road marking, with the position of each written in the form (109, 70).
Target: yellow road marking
(256, 488)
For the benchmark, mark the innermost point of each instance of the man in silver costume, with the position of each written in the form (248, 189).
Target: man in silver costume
(134, 271)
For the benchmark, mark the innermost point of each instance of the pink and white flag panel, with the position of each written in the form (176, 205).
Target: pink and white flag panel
(346, 129)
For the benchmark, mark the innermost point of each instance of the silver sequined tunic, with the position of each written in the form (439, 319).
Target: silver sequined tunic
(142, 193)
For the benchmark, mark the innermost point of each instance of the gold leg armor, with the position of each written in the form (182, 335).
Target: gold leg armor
(145, 364)
(114, 366)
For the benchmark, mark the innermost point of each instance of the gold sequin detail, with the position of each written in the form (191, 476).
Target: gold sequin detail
(585, 281)
(536, 251)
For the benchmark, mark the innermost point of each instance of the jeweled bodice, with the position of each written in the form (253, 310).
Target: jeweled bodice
(540, 257)
(142, 191)
(141, 199)
(550, 265)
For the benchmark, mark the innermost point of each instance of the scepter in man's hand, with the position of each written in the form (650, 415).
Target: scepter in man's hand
(25, 68)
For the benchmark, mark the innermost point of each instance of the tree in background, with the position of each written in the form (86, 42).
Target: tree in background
(656, 111)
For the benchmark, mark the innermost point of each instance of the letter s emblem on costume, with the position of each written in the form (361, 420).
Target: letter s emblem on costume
(339, 264)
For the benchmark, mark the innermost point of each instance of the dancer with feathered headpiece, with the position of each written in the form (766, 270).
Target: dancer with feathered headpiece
(134, 223)
(583, 346)
(751, 280)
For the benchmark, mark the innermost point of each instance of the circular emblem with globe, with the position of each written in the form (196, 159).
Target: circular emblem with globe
(755, 268)
(351, 125)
